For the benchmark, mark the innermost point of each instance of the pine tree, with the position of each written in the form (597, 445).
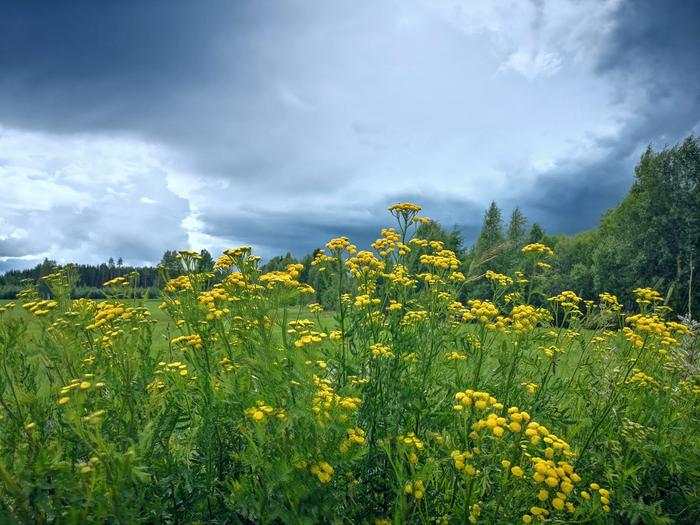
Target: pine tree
(170, 263)
(206, 263)
(434, 231)
(278, 263)
(490, 250)
(491, 236)
(516, 229)
(536, 233)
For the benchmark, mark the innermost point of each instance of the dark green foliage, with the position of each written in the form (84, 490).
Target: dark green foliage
(653, 237)
(491, 237)
(517, 235)
(536, 233)
(206, 263)
(278, 263)
(573, 264)
(170, 263)
(452, 239)
(90, 278)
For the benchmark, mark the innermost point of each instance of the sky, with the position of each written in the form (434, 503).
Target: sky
(129, 128)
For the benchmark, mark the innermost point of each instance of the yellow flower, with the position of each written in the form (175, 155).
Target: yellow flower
(404, 208)
(417, 488)
(323, 471)
(538, 248)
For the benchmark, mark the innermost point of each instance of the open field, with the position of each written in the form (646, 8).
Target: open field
(325, 319)
(404, 404)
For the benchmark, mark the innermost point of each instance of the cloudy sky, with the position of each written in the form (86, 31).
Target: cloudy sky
(132, 127)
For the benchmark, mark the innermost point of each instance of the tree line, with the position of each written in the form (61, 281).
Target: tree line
(92, 277)
(652, 238)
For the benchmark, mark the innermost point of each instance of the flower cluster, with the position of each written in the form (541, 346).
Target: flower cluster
(647, 296)
(356, 436)
(498, 278)
(83, 384)
(381, 350)
(538, 248)
(365, 264)
(567, 299)
(117, 282)
(415, 488)
(442, 260)
(327, 401)
(525, 317)
(404, 208)
(610, 302)
(323, 471)
(640, 378)
(261, 412)
(482, 311)
(40, 308)
(193, 341)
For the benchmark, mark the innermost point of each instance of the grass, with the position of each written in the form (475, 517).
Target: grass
(401, 405)
(164, 326)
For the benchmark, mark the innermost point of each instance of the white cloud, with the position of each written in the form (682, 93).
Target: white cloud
(535, 38)
(539, 64)
(77, 198)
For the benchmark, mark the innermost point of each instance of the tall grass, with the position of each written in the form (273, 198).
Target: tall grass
(410, 406)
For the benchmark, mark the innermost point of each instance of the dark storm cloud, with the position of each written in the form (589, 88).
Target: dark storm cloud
(303, 232)
(657, 42)
(82, 65)
(198, 76)
(571, 198)
(654, 61)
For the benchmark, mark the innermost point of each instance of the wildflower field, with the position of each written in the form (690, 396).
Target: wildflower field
(240, 400)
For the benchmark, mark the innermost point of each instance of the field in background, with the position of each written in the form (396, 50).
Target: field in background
(164, 324)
